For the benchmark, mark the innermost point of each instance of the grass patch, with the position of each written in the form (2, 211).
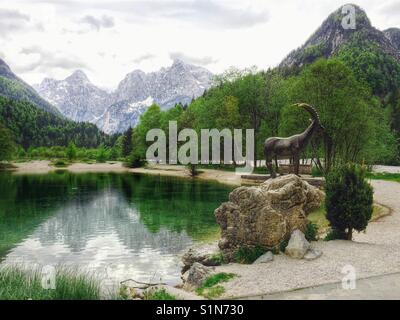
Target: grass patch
(383, 176)
(218, 258)
(248, 255)
(210, 288)
(158, 294)
(19, 284)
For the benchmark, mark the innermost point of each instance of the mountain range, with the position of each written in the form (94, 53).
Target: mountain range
(76, 98)
(80, 100)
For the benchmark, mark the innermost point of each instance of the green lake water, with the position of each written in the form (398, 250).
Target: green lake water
(119, 226)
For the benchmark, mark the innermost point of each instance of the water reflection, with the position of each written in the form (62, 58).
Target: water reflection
(121, 226)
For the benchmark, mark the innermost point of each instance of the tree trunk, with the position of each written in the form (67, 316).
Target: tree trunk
(350, 234)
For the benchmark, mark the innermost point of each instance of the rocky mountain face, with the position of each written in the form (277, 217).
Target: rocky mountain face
(15, 88)
(331, 37)
(80, 100)
(393, 34)
(76, 97)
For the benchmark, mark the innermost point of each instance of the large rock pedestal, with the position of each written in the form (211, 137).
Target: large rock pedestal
(267, 214)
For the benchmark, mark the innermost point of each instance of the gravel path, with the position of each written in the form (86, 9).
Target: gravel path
(386, 287)
(387, 169)
(375, 253)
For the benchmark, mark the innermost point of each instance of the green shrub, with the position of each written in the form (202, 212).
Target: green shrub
(135, 160)
(102, 154)
(311, 231)
(158, 294)
(335, 235)
(71, 151)
(349, 200)
(210, 288)
(248, 255)
(316, 172)
(218, 258)
(60, 163)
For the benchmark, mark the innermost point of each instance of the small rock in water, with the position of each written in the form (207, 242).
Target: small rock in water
(312, 254)
(298, 245)
(265, 258)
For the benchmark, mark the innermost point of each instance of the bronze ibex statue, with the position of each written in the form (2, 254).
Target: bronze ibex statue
(292, 147)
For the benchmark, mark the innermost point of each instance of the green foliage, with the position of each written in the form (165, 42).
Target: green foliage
(311, 231)
(383, 176)
(371, 65)
(158, 294)
(349, 199)
(210, 288)
(7, 146)
(33, 127)
(218, 259)
(71, 151)
(135, 159)
(16, 90)
(60, 164)
(18, 284)
(127, 143)
(313, 52)
(358, 132)
(316, 172)
(335, 235)
(102, 154)
(248, 255)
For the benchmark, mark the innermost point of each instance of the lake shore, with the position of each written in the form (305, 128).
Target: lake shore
(44, 166)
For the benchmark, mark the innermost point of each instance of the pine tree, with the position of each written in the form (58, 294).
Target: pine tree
(127, 143)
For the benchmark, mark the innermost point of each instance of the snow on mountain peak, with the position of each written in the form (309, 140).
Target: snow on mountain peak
(80, 100)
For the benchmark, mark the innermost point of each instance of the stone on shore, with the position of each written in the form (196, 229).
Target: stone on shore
(195, 276)
(202, 254)
(265, 258)
(312, 254)
(298, 245)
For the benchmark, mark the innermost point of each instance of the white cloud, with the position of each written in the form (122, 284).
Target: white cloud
(98, 23)
(131, 34)
(203, 61)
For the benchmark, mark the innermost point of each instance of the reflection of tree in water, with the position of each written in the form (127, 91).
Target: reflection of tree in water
(134, 225)
(108, 212)
(175, 203)
(144, 211)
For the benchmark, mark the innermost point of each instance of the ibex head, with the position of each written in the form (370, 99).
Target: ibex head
(311, 110)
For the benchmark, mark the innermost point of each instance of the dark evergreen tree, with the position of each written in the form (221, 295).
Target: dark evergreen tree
(127, 143)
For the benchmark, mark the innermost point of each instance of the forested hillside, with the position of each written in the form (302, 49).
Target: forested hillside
(14, 88)
(32, 127)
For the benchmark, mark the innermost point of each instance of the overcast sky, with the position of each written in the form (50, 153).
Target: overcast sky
(109, 38)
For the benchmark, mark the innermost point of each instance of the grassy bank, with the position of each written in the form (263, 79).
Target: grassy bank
(384, 176)
(318, 217)
(18, 284)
